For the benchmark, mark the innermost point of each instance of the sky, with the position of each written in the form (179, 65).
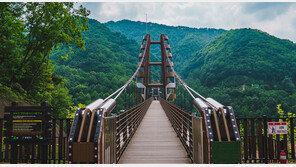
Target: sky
(275, 18)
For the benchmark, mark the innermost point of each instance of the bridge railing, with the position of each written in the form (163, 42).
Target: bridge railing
(120, 128)
(257, 146)
(188, 129)
(87, 139)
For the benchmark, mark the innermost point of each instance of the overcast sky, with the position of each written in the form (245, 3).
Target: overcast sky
(278, 19)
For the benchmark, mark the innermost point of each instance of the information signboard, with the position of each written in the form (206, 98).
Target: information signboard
(27, 123)
(277, 128)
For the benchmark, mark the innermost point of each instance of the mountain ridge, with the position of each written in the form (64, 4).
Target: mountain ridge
(248, 69)
(179, 37)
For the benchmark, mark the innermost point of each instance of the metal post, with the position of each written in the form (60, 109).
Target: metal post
(125, 99)
(265, 139)
(197, 135)
(109, 140)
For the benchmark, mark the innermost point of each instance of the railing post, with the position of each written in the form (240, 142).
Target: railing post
(1, 128)
(246, 141)
(109, 140)
(124, 125)
(265, 139)
(285, 146)
(117, 136)
(54, 141)
(197, 135)
(292, 138)
(60, 140)
(259, 139)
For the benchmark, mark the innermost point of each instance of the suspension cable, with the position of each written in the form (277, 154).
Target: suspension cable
(128, 82)
(188, 89)
(200, 96)
(120, 90)
(184, 85)
(113, 94)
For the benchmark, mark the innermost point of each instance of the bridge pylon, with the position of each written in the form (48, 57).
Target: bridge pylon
(167, 82)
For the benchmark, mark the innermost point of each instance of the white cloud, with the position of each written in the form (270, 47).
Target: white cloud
(275, 18)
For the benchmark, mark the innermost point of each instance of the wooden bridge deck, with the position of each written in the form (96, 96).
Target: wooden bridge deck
(155, 141)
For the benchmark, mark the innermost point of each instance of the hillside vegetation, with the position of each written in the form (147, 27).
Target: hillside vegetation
(248, 69)
(66, 62)
(185, 42)
(107, 62)
(29, 32)
(75, 60)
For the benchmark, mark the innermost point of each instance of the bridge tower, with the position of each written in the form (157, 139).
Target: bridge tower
(167, 82)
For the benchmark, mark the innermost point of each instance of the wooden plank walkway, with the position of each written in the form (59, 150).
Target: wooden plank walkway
(155, 141)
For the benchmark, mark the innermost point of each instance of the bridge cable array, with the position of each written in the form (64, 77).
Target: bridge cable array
(120, 90)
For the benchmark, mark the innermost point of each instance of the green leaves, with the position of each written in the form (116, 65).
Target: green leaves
(11, 39)
(29, 32)
(106, 64)
(252, 59)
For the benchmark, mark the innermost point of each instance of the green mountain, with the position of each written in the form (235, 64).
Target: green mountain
(248, 69)
(185, 42)
(107, 62)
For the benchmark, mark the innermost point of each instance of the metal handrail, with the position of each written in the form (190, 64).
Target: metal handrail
(127, 125)
(182, 128)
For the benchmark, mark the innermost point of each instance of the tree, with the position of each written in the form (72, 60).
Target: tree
(49, 25)
(11, 39)
(29, 32)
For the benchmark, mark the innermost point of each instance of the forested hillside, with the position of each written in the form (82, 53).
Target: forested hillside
(248, 69)
(75, 60)
(107, 62)
(29, 32)
(185, 42)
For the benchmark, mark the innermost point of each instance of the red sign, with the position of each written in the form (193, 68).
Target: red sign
(277, 128)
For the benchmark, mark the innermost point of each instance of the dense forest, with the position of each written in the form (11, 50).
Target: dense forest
(85, 61)
(107, 62)
(247, 69)
(29, 32)
(185, 41)
(53, 52)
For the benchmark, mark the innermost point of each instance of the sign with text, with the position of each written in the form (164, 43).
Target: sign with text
(277, 128)
(27, 123)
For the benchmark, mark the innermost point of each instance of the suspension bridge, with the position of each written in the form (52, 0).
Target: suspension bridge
(163, 122)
